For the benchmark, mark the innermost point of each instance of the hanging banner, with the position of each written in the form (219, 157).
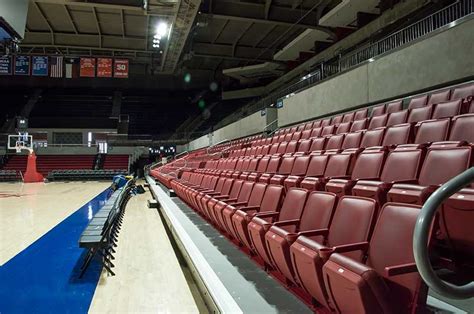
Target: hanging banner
(87, 67)
(104, 67)
(279, 103)
(22, 65)
(121, 68)
(40, 66)
(5, 65)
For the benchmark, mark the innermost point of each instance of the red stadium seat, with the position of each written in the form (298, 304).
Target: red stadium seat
(378, 110)
(304, 146)
(336, 120)
(463, 92)
(372, 138)
(432, 131)
(368, 166)
(418, 102)
(272, 168)
(440, 165)
(397, 117)
(283, 171)
(348, 117)
(438, 97)
(400, 166)
(420, 114)
(359, 125)
(343, 128)
(291, 210)
(298, 172)
(377, 122)
(361, 114)
(317, 214)
(397, 134)
(270, 202)
(394, 106)
(447, 109)
(328, 130)
(352, 140)
(387, 282)
(309, 253)
(462, 128)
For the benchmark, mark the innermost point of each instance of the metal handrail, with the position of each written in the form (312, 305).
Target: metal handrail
(214, 145)
(343, 62)
(182, 153)
(422, 234)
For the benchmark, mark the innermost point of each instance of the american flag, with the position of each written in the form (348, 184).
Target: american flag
(56, 67)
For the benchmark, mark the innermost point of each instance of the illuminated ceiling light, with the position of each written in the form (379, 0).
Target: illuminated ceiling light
(156, 46)
(156, 41)
(161, 30)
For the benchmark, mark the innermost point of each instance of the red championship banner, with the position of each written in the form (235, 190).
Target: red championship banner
(87, 67)
(121, 68)
(104, 67)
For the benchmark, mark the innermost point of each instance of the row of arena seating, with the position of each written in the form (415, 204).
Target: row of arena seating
(9, 175)
(112, 162)
(332, 213)
(85, 174)
(49, 163)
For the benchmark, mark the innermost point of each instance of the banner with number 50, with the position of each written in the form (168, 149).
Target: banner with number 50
(121, 68)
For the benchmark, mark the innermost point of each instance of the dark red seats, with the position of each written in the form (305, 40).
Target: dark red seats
(432, 131)
(400, 166)
(316, 169)
(328, 130)
(243, 197)
(378, 110)
(343, 128)
(352, 140)
(372, 138)
(318, 144)
(462, 128)
(440, 96)
(272, 169)
(217, 203)
(418, 102)
(348, 117)
(397, 134)
(420, 114)
(361, 114)
(463, 92)
(291, 210)
(440, 165)
(338, 165)
(283, 172)
(336, 120)
(378, 121)
(368, 166)
(358, 125)
(334, 143)
(397, 117)
(394, 106)
(312, 248)
(271, 202)
(387, 282)
(298, 172)
(304, 146)
(447, 109)
(317, 214)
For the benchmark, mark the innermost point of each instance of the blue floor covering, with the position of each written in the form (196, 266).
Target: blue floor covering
(43, 278)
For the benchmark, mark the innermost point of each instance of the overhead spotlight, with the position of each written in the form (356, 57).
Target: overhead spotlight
(161, 30)
(156, 41)
(156, 46)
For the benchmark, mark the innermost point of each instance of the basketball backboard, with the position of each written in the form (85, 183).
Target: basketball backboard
(18, 142)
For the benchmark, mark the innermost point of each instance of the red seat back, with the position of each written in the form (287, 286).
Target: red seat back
(447, 109)
(300, 165)
(394, 106)
(397, 134)
(317, 166)
(293, 204)
(432, 131)
(438, 97)
(418, 102)
(368, 165)
(462, 128)
(442, 164)
(402, 165)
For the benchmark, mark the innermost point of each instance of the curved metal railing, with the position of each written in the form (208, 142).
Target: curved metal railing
(422, 233)
(265, 129)
(218, 143)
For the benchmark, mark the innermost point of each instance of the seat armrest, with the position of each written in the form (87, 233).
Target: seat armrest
(267, 215)
(231, 200)
(405, 182)
(219, 197)
(238, 203)
(213, 193)
(316, 232)
(362, 246)
(400, 269)
(291, 222)
(249, 208)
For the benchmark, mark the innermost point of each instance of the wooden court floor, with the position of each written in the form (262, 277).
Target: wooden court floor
(38, 221)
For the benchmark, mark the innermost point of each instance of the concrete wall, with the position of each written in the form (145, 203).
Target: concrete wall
(443, 57)
(253, 124)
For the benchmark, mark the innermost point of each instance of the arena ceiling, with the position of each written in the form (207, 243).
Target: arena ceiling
(208, 36)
